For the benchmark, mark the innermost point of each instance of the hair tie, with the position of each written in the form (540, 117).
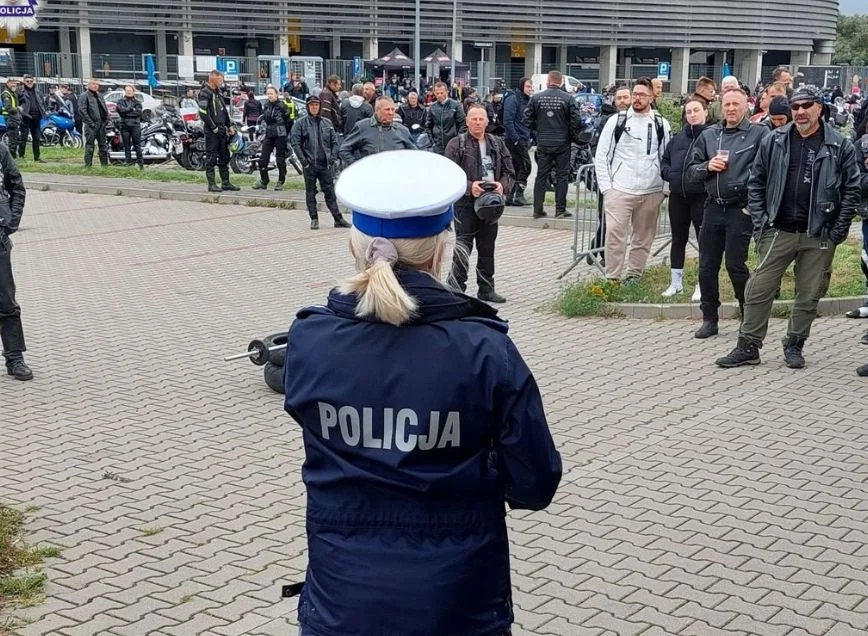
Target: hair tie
(381, 249)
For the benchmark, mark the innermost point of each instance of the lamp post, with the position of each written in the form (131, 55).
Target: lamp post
(416, 77)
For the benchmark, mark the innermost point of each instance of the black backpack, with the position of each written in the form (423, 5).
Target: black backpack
(621, 125)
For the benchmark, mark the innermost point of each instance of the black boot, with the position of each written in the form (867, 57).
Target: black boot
(491, 296)
(865, 339)
(518, 195)
(708, 329)
(224, 179)
(314, 224)
(19, 369)
(212, 183)
(341, 222)
(793, 346)
(279, 186)
(745, 352)
(260, 185)
(862, 371)
(228, 187)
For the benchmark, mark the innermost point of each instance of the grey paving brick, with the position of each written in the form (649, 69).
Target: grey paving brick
(701, 511)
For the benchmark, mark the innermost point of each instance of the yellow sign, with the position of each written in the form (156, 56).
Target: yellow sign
(518, 49)
(6, 39)
(293, 30)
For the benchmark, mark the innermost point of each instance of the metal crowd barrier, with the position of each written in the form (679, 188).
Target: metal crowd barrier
(589, 229)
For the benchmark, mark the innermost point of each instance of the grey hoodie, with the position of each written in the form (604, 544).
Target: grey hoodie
(354, 110)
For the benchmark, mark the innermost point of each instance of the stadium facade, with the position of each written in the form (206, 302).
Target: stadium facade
(539, 34)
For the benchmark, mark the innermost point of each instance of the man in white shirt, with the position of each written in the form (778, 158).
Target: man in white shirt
(627, 164)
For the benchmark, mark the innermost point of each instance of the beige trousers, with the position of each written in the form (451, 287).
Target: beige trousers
(622, 211)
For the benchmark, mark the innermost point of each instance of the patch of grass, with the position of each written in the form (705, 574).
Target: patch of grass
(150, 532)
(595, 297)
(150, 173)
(21, 582)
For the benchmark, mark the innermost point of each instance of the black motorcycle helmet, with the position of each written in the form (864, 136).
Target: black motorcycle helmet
(490, 204)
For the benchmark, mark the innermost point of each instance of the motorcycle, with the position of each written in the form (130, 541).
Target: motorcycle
(244, 157)
(420, 138)
(158, 140)
(58, 129)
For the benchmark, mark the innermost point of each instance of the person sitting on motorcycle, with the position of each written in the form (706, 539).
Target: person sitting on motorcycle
(129, 109)
(412, 113)
(275, 119)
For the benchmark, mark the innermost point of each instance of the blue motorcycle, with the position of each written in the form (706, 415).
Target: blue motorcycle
(58, 129)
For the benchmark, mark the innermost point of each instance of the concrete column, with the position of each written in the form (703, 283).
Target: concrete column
(679, 73)
(748, 66)
(562, 58)
(160, 54)
(185, 43)
(82, 34)
(458, 53)
(370, 48)
(608, 65)
(628, 68)
(822, 59)
(281, 47)
(719, 58)
(67, 68)
(335, 50)
(251, 50)
(799, 58)
(533, 59)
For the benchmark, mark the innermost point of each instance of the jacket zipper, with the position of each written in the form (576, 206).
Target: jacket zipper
(689, 152)
(717, 179)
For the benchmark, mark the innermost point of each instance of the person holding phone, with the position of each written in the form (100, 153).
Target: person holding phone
(722, 160)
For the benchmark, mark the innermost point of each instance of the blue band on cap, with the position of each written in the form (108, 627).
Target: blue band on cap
(408, 227)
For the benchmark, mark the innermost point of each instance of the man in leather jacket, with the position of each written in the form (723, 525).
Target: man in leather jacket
(446, 119)
(31, 105)
(216, 121)
(12, 195)
(130, 112)
(95, 116)
(803, 193)
(722, 159)
(331, 105)
(376, 134)
(315, 143)
(412, 112)
(556, 121)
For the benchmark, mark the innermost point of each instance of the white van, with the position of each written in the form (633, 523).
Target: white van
(539, 81)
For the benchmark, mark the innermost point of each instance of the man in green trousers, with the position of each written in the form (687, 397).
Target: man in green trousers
(802, 195)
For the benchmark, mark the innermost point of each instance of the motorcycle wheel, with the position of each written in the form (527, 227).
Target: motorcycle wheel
(241, 163)
(66, 141)
(76, 142)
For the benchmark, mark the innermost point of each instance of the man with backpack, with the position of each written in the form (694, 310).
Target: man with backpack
(627, 162)
(556, 121)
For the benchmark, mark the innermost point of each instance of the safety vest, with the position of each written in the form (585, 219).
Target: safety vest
(12, 99)
(290, 105)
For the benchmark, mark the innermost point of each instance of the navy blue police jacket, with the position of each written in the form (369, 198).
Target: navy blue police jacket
(414, 438)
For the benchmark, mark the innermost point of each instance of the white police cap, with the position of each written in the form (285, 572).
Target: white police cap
(402, 193)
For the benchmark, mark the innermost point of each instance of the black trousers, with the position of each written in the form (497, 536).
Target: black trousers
(520, 160)
(546, 160)
(132, 138)
(725, 234)
(469, 228)
(95, 136)
(269, 144)
(682, 212)
(323, 174)
(11, 331)
(216, 156)
(13, 132)
(34, 129)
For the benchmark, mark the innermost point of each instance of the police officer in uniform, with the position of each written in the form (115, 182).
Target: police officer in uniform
(12, 113)
(215, 116)
(420, 421)
(12, 196)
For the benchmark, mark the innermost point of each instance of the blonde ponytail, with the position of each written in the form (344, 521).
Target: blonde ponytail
(380, 294)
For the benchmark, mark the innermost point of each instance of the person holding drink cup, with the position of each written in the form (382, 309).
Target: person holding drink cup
(721, 160)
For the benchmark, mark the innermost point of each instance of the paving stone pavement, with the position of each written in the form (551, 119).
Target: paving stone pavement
(694, 501)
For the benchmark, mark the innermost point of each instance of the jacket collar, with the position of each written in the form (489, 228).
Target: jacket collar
(831, 137)
(436, 302)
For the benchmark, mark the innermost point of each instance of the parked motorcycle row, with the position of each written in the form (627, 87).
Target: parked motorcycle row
(58, 129)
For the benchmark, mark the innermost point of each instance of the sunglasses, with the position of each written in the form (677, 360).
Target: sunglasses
(802, 105)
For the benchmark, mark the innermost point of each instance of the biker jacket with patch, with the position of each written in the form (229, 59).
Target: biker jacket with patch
(743, 143)
(835, 191)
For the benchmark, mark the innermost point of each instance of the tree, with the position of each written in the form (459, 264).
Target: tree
(851, 46)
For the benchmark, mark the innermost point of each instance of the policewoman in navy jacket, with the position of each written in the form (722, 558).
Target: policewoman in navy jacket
(420, 421)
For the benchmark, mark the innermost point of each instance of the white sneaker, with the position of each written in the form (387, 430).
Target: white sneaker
(672, 290)
(697, 295)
